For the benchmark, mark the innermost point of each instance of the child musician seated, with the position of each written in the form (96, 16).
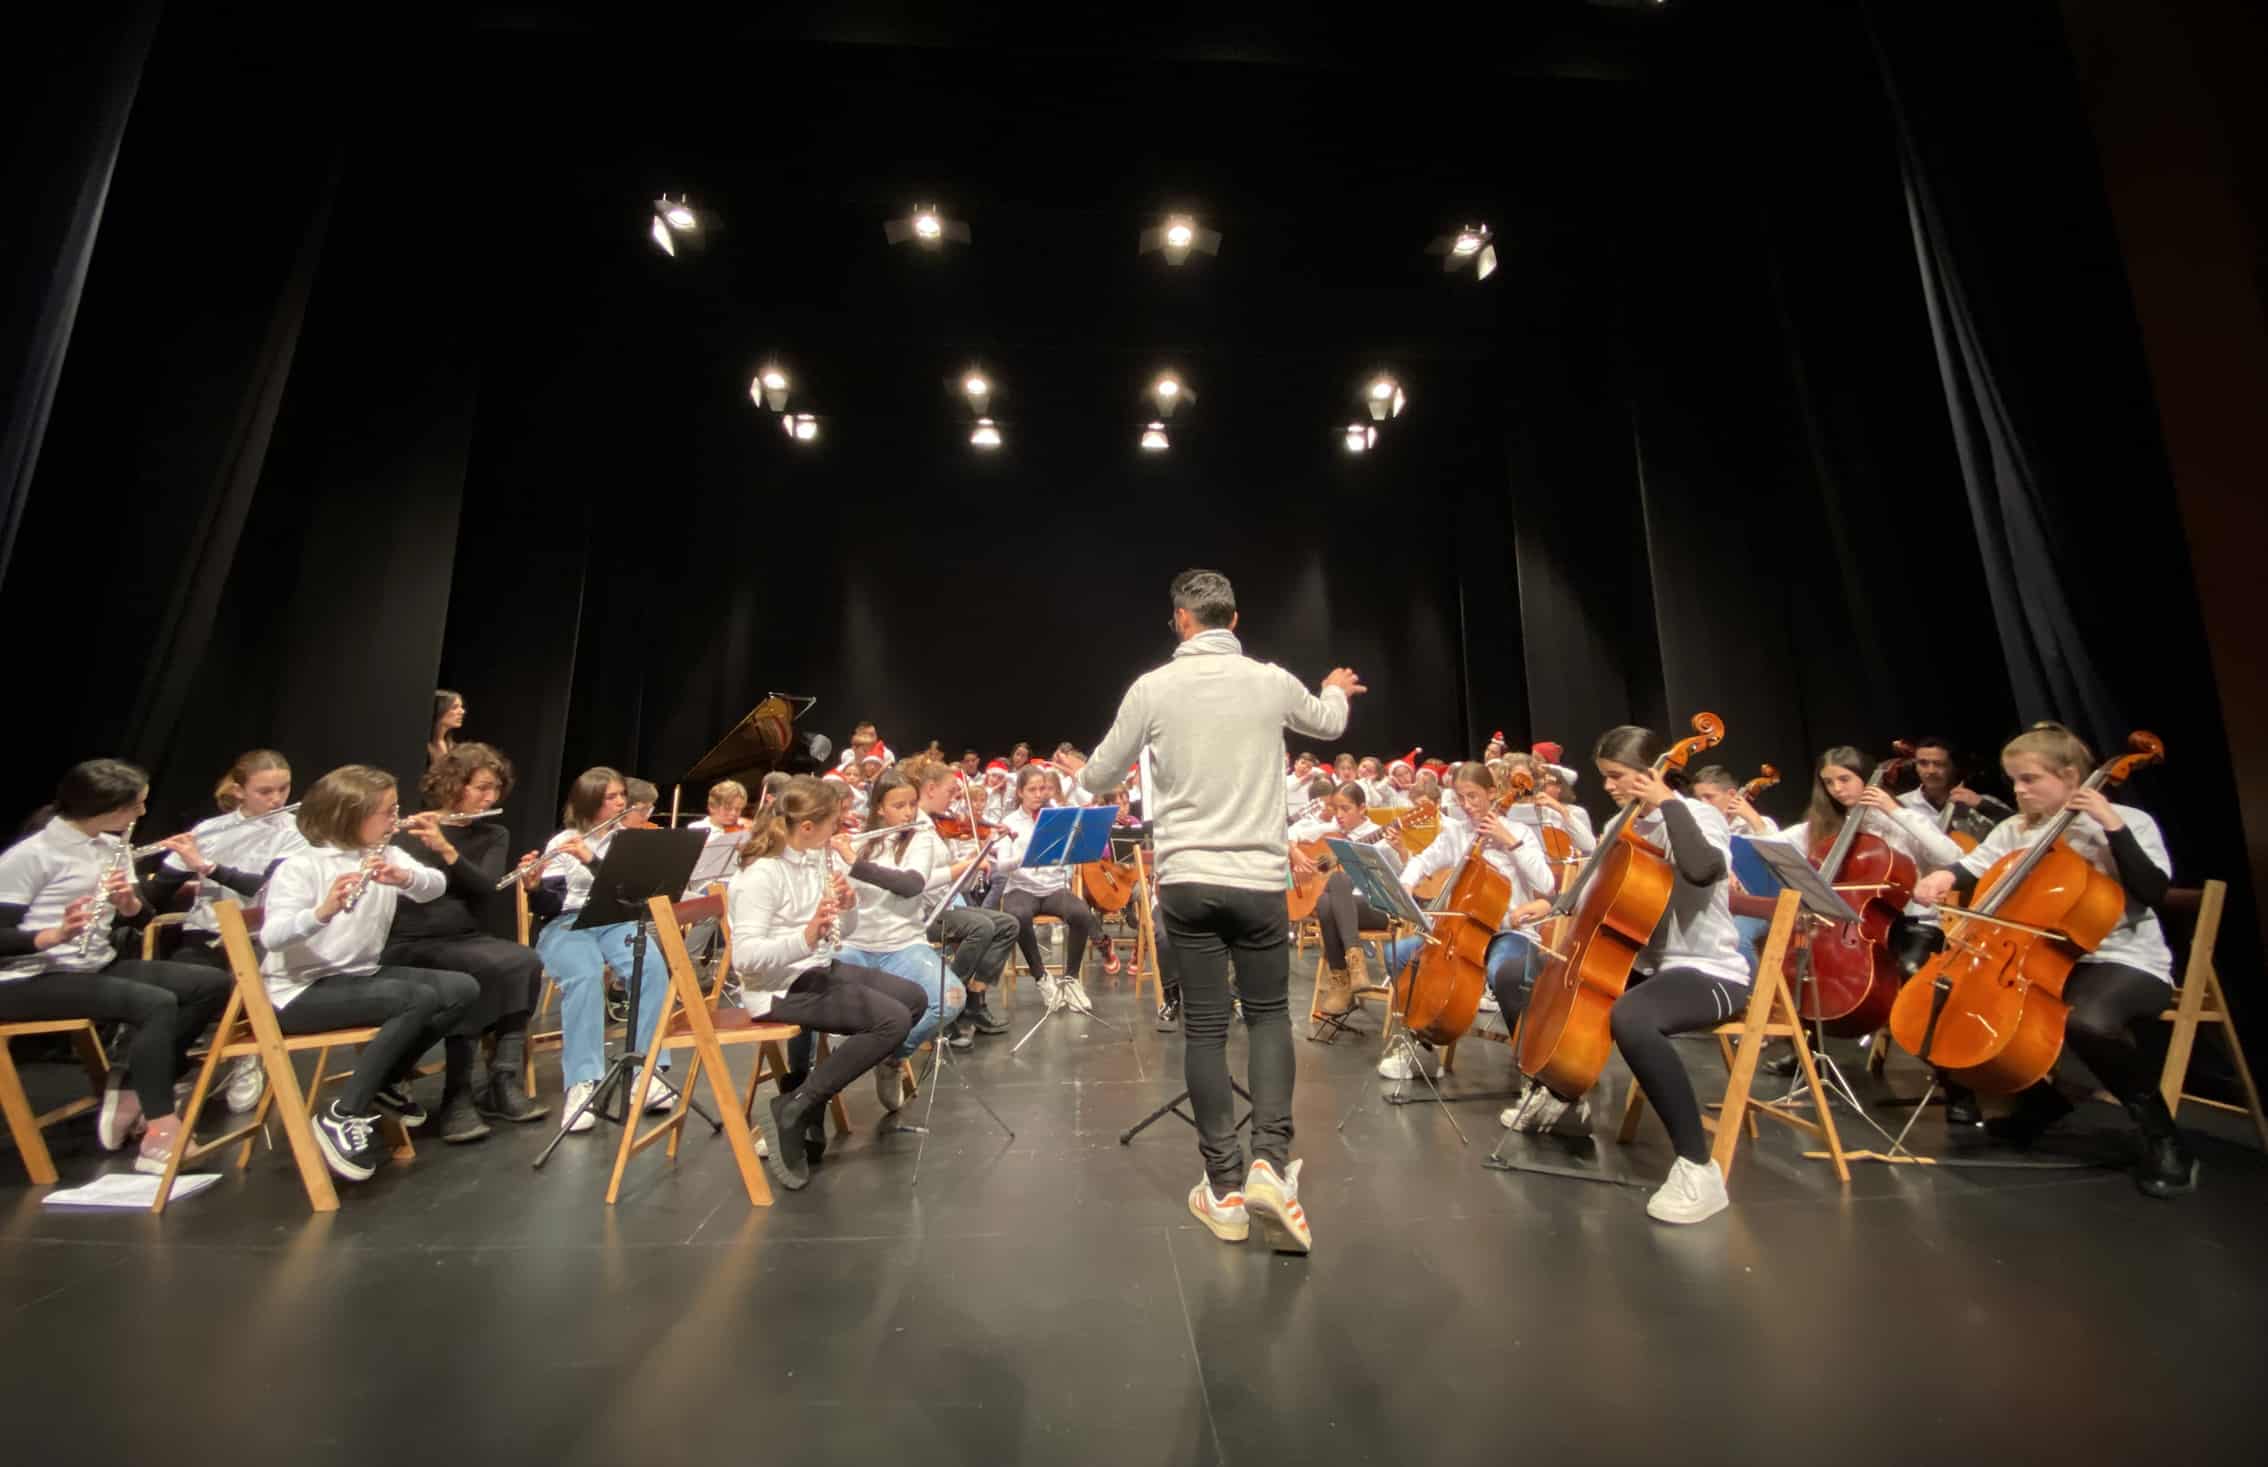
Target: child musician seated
(329, 909)
(66, 896)
(792, 907)
(1340, 915)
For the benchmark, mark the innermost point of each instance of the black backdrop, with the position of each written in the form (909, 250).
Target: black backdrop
(378, 385)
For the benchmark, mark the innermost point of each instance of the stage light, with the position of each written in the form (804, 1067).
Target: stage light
(975, 387)
(927, 226)
(1470, 245)
(1385, 397)
(802, 427)
(678, 217)
(672, 217)
(1360, 436)
(1154, 438)
(769, 387)
(1175, 238)
(661, 237)
(1168, 391)
(986, 434)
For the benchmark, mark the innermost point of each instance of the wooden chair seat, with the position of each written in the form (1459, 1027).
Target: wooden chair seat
(24, 1126)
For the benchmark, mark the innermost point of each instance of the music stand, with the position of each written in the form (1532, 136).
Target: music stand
(1068, 836)
(638, 865)
(940, 1048)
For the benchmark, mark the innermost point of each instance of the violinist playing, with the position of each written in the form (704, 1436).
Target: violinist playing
(2126, 981)
(1518, 856)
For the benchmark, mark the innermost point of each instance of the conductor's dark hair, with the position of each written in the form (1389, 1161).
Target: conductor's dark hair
(1206, 596)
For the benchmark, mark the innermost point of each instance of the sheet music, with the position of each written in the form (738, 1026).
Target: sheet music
(717, 862)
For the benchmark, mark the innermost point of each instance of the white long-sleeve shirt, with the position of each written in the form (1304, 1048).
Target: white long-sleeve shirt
(1008, 858)
(887, 922)
(45, 872)
(1213, 721)
(1524, 865)
(2138, 941)
(1914, 836)
(303, 950)
(579, 876)
(247, 845)
(770, 902)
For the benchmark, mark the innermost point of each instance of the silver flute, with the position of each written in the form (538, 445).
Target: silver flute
(538, 863)
(117, 860)
(155, 846)
(372, 859)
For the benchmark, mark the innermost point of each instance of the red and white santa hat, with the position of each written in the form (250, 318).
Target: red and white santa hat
(835, 774)
(1550, 753)
(1497, 737)
(878, 753)
(1547, 751)
(1407, 761)
(995, 766)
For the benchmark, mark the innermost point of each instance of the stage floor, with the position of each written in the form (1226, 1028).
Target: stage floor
(1051, 1300)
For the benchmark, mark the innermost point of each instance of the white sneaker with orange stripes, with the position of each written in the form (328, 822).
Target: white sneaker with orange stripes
(1274, 1201)
(1224, 1215)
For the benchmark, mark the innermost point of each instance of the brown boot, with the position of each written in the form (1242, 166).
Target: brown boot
(1334, 993)
(1358, 971)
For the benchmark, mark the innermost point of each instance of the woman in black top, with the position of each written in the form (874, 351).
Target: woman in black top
(461, 931)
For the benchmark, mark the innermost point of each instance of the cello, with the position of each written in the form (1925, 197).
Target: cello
(1624, 890)
(1766, 777)
(1844, 974)
(1989, 1009)
(1439, 992)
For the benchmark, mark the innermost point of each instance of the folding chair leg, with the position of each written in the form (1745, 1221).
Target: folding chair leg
(23, 1124)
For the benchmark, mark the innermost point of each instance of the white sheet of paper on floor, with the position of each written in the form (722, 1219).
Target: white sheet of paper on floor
(128, 1189)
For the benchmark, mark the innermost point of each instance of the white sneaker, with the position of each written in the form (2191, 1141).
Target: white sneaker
(576, 1094)
(658, 1094)
(1075, 996)
(1488, 1003)
(1224, 1215)
(1275, 1201)
(763, 1147)
(247, 1082)
(1397, 1066)
(1049, 991)
(890, 1084)
(1691, 1194)
(1539, 1111)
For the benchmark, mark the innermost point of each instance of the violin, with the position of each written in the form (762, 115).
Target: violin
(1845, 975)
(1989, 1010)
(955, 827)
(1624, 890)
(1440, 990)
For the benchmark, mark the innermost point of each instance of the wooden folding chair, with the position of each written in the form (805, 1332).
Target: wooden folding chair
(1325, 1028)
(1771, 1014)
(248, 1027)
(1144, 964)
(153, 927)
(686, 1022)
(23, 1125)
(2200, 1001)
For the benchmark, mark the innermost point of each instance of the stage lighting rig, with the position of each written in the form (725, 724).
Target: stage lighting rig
(1154, 438)
(1360, 437)
(1176, 237)
(1168, 391)
(976, 386)
(674, 223)
(802, 427)
(769, 387)
(926, 226)
(1384, 397)
(985, 435)
(1471, 245)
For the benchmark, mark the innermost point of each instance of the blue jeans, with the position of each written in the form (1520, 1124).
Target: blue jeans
(920, 965)
(1752, 933)
(577, 960)
(1513, 962)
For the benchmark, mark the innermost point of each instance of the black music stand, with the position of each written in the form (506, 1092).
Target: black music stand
(638, 866)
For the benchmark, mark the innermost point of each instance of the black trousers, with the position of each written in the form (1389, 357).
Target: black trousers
(166, 1004)
(1079, 926)
(980, 941)
(413, 1008)
(1672, 1001)
(510, 976)
(1212, 929)
(1341, 916)
(871, 1011)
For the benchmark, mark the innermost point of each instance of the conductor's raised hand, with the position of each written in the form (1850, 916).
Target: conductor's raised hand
(1344, 679)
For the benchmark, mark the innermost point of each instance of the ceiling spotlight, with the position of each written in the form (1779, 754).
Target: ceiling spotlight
(1385, 397)
(672, 218)
(769, 388)
(1154, 438)
(1360, 436)
(986, 434)
(1170, 392)
(926, 225)
(802, 427)
(1175, 238)
(1471, 245)
(975, 387)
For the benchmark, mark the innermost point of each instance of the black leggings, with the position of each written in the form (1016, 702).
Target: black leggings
(508, 974)
(1672, 1001)
(871, 1011)
(1212, 930)
(1079, 926)
(980, 940)
(167, 1004)
(1341, 916)
(2107, 1000)
(413, 1008)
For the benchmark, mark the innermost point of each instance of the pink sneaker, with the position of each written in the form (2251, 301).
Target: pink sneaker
(121, 1114)
(157, 1145)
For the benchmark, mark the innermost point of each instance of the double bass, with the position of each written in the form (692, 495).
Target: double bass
(1989, 1009)
(1624, 890)
(1440, 990)
(1844, 974)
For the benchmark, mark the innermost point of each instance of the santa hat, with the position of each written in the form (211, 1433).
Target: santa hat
(836, 775)
(1547, 751)
(1407, 761)
(996, 766)
(1438, 768)
(878, 753)
(1497, 737)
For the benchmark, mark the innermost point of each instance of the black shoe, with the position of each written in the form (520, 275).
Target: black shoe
(2166, 1169)
(794, 1165)
(960, 1036)
(502, 1099)
(1962, 1113)
(349, 1143)
(987, 1019)
(1169, 1014)
(2036, 1109)
(397, 1098)
(1779, 1060)
(815, 1135)
(460, 1121)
